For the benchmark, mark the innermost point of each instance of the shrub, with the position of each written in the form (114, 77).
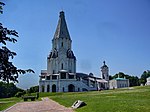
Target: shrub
(19, 94)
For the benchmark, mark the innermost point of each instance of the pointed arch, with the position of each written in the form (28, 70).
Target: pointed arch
(53, 88)
(71, 88)
(62, 66)
(48, 88)
(43, 88)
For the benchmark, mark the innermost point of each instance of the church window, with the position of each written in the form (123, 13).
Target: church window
(53, 71)
(78, 89)
(71, 76)
(43, 88)
(53, 88)
(62, 67)
(48, 77)
(48, 88)
(62, 44)
(54, 77)
(63, 75)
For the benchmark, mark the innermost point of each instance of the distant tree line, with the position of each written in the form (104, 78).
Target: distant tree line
(8, 90)
(33, 89)
(144, 76)
(134, 80)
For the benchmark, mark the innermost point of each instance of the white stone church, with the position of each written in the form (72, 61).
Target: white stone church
(61, 75)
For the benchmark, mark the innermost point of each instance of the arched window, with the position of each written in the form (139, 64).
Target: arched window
(48, 88)
(62, 44)
(43, 88)
(71, 88)
(62, 66)
(78, 89)
(53, 71)
(53, 88)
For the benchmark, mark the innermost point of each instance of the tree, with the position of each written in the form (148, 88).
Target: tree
(1, 7)
(120, 75)
(34, 89)
(20, 94)
(8, 90)
(8, 71)
(144, 76)
(110, 77)
(133, 80)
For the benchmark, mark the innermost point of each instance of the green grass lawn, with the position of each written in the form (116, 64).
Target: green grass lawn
(136, 99)
(7, 102)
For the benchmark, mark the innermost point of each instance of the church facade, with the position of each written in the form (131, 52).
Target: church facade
(61, 75)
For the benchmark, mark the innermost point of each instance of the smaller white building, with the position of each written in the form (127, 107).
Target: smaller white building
(118, 83)
(148, 81)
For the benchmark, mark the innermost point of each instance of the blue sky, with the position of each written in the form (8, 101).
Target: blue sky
(116, 31)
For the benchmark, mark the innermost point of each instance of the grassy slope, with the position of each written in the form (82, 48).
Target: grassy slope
(121, 100)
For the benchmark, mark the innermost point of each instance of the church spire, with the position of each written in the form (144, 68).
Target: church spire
(62, 30)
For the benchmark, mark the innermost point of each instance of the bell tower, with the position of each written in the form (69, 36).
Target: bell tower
(61, 57)
(105, 72)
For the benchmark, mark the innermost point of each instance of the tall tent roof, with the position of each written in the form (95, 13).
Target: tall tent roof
(62, 30)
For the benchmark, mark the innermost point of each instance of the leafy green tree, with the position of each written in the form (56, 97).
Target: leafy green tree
(20, 94)
(110, 77)
(34, 89)
(144, 76)
(8, 90)
(133, 80)
(8, 71)
(1, 7)
(120, 75)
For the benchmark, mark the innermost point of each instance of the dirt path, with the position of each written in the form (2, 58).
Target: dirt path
(46, 105)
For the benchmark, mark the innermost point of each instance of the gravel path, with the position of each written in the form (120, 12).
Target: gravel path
(46, 105)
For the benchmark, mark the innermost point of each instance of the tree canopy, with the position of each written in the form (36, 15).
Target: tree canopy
(8, 90)
(8, 71)
(1, 7)
(133, 80)
(144, 76)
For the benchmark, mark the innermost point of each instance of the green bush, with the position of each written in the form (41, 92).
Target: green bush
(19, 94)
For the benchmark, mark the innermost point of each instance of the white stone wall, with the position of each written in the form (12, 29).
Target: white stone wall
(148, 81)
(118, 83)
(112, 84)
(60, 84)
(57, 43)
(55, 64)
